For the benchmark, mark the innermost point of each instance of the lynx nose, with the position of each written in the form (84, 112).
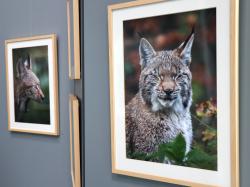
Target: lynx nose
(168, 91)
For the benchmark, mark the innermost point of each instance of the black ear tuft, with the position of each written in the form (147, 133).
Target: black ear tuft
(146, 52)
(185, 48)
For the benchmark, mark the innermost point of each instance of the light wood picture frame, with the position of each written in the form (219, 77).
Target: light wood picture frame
(32, 84)
(131, 60)
(73, 20)
(75, 141)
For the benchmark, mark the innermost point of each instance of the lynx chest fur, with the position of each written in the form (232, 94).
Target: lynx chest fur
(161, 109)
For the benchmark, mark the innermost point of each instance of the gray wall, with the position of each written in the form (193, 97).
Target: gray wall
(33, 160)
(97, 121)
(244, 92)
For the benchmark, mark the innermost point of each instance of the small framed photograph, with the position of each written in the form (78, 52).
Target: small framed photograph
(32, 84)
(74, 141)
(74, 58)
(174, 91)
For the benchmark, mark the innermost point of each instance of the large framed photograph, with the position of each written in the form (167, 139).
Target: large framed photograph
(74, 141)
(32, 84)
(73, 21)
(174, 91)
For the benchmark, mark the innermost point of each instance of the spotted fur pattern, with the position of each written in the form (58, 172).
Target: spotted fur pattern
(27, 85)
(160, 111)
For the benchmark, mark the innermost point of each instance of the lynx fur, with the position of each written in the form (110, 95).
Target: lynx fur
(160, 111)
(27, 85)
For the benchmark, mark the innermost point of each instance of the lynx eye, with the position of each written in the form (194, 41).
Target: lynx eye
(173, 76)
(153, 74)
(179, 76)
(35, 87)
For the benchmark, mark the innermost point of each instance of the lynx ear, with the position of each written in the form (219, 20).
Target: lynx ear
(23, 66)
(146, 52)
(28, 63)
(184, 50)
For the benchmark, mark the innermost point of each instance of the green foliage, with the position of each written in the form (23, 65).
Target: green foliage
(197, 158)
(142, 156)
(129, 69)
(198, 91)
(174, 152)
(208, 134)
(212, 147)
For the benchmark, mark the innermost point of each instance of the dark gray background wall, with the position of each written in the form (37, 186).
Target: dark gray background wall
(97, 121)
(33, 160)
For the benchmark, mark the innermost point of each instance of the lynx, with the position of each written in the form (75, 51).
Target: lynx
(160, 111)
(27, 85)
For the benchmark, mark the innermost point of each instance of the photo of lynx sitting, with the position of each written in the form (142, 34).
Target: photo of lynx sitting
(27, 85)
(160, 111)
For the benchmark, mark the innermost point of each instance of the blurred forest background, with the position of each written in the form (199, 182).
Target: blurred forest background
(37, 112)
(167, 32)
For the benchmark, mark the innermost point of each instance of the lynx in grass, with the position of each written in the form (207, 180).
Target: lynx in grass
(27, 85)
(160, 111)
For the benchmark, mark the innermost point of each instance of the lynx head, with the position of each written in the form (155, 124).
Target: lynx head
(165, 80)
(29, 84)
